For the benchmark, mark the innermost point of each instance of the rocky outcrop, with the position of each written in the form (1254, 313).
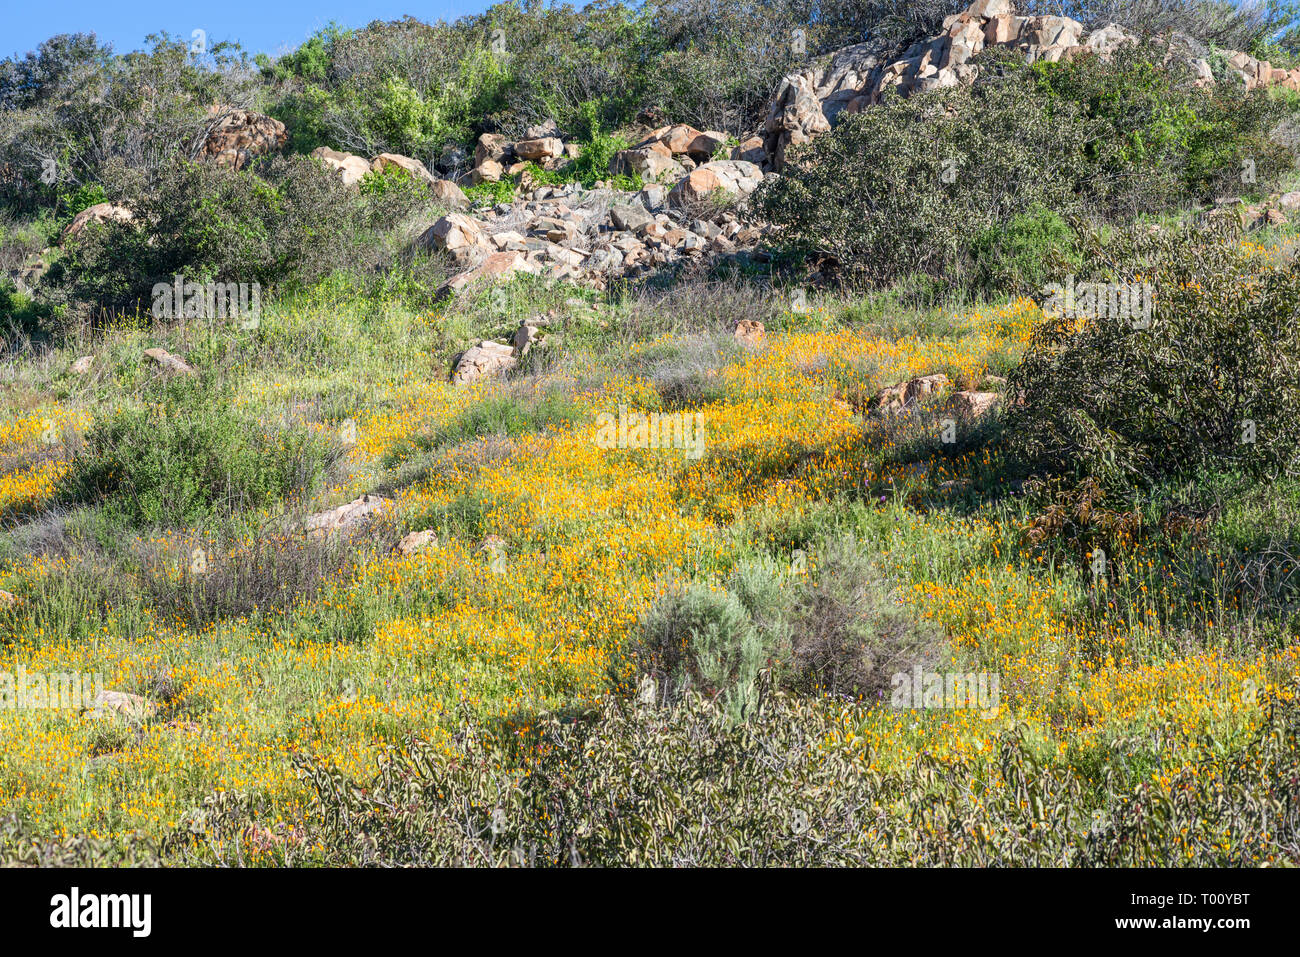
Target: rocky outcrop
(808, 103)
(495, 156)
(592, 237)
(236, 137)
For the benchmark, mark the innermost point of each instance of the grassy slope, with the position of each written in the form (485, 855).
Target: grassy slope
(390, 646)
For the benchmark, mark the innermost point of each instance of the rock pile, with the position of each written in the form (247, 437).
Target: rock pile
(593, 236)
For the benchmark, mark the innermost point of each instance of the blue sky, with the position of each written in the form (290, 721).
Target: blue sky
(260, 26)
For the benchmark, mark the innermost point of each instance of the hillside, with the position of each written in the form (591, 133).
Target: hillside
(454, 444)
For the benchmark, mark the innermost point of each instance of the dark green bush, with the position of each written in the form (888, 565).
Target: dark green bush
(904, 187)
(1214, 381)
(940, 184)
(638, 785)
(289, 223)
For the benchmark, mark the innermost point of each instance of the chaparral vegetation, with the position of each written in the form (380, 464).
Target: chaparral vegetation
(648, 415)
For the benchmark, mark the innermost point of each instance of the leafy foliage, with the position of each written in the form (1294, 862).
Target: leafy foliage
(191, 461)
(1213, 380)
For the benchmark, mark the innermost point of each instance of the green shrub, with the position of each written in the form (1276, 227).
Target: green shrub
(904, 187)
(490, 194)
(972, 185)
(840, 631)
(849, 635)
(290, 223)
(192, 460)
(1023, 254)
(702, 638)
(1214, 381)
(73, 107)
(1164, 142)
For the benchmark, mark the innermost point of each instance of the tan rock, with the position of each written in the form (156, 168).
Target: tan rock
(488, 171)
(750, 333)
(99, 213)
(413, 542)
(483, 360)
(345, 516)
(351, 168)
(449, 194)
(455, 233)
(706, 144)
(730, 177)
(120, 704)
(496, 266)
(679, 138)
(165, 360)
(972, 405)
(491, 146)
(546, 147)
(896, 399)
(237, 137)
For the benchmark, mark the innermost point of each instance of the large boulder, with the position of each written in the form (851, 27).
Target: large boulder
(651, 164)
(457, 234)
(235, 137)
(498, 265)
(543, 148)
(483, 360)
(629, 216)
(491, 146)
(396, 161)
(99, 213)
(730, 177)
(806, 103)
(351, 168)
(449, 194)
(346, 516)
